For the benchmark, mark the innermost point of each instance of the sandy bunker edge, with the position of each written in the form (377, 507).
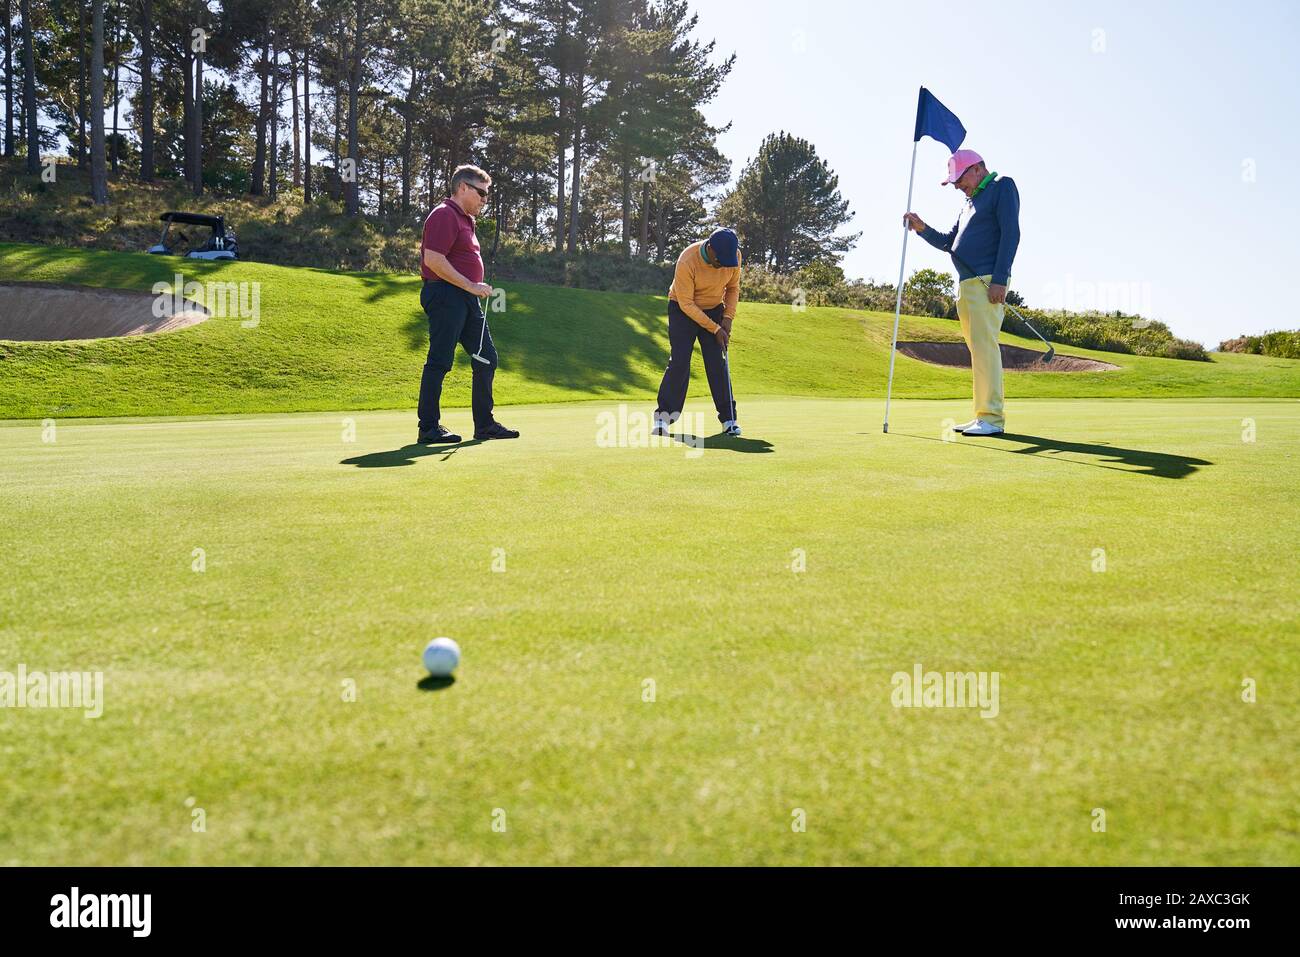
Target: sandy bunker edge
(61, 312)
(1014, 358)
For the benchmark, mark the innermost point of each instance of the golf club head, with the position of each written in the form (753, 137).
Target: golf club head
(483, 359)
(1049, 355)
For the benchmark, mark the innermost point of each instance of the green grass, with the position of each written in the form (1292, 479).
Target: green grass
(357, 341)
(329, 562)
(332, 562)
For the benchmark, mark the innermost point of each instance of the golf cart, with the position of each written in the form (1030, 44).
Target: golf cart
(220, 245)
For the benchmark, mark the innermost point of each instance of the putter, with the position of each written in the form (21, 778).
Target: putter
(1051, 350)
(492, 261)
(477, 356)
(731, 402)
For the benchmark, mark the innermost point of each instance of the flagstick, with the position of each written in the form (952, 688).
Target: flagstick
(898, 299)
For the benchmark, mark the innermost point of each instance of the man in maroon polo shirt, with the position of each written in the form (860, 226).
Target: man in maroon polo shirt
(452, 267)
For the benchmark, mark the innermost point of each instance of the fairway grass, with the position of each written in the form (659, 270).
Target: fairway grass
(328, 564)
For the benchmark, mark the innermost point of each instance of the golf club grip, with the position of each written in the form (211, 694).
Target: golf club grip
(966, 266)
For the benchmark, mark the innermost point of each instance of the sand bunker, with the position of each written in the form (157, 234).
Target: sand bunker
(48, 312)
(1014, 358)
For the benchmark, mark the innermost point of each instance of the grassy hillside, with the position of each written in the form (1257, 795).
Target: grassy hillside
(357, 341)
(318, 235)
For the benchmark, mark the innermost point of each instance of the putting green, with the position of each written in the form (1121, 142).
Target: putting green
(328, 564)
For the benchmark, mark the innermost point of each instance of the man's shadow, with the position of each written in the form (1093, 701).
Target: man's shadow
(1139, 461)
(407, 455)
(724, 441)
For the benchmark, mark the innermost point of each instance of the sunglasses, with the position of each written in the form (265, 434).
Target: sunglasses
(482, 192)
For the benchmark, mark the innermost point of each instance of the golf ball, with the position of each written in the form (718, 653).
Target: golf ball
(441, 656)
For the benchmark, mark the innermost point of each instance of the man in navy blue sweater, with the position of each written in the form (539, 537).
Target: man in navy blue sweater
(983, 247)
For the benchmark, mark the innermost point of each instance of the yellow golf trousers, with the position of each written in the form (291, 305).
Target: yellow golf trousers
(981, 321)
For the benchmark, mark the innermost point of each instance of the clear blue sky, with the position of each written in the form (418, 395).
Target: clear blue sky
(1129, 161)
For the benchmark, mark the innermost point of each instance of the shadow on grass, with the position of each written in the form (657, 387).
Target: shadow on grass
(100, 268)
(1139, 461)
(594, 343)
(382, 286)
(407, 455)
(435, 683)
(724, 441)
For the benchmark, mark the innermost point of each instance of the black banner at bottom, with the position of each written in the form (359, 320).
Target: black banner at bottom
(1221, 907)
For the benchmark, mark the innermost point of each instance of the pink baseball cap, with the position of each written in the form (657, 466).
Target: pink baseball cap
(959, 162)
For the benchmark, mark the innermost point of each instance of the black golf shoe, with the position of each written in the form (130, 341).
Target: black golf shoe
(495, 431)
(438, 435)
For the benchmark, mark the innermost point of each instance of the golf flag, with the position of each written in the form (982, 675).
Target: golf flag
(935, 120)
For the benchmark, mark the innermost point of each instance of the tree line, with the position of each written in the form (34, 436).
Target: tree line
(587, 113)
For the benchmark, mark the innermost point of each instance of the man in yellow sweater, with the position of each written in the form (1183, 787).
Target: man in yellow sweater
(701, 305)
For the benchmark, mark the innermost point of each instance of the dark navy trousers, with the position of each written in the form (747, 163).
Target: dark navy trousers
(683, 331)
(455, 316)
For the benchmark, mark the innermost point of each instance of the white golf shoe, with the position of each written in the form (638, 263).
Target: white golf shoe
(980, 427)
(966, 425)
(661, 427)
(731, 428)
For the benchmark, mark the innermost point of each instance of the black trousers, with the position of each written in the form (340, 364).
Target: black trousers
(683, 331)
(455, 316)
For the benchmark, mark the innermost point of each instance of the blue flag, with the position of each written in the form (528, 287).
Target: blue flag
(936, 120)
